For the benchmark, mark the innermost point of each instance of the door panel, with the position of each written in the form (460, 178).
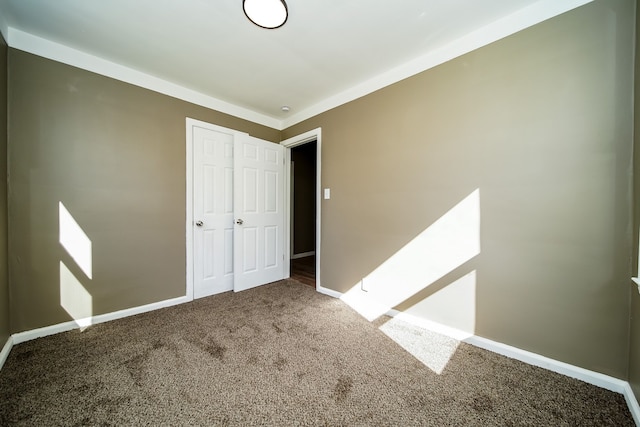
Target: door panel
(213, 206)
(259, 211)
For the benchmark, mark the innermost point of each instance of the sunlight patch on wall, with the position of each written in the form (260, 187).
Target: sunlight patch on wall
(74, 298)
(454, 305)
(432, 349)
(445, 245)
(75, 241)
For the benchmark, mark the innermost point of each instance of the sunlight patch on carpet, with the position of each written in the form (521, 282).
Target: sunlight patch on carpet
(433, 350)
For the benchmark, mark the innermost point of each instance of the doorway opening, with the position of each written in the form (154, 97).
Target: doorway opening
(308, 151)
(303, 213)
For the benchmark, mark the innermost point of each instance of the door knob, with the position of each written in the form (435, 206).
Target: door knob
(199, 223)
(239, 221)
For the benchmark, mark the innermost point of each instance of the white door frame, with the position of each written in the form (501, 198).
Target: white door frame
(312, 135)
(189, 222)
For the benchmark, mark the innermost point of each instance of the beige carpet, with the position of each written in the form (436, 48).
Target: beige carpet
(281, 355)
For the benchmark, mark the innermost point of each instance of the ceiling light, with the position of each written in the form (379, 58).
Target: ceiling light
(268, 14)
(285, 108)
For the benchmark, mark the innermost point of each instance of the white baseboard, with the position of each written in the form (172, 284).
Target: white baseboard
(5, 351)
(601, 380)
(632, 403)
(591, 377)
(430, 325)
(82, 323)
(303, 255)
(329, 292)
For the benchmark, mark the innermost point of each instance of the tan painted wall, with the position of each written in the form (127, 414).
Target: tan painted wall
(4, 284)
(114, 155)
(634, 339)
(541, 124)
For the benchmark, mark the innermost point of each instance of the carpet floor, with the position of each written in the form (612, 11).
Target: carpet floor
(282, 354)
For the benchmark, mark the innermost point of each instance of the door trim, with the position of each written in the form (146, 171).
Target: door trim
(189, 224)
(315, 134)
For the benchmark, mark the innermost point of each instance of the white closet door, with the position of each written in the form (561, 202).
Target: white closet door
(258, 212)
(212, 211)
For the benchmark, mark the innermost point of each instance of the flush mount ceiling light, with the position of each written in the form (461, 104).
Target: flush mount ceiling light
(268, 14)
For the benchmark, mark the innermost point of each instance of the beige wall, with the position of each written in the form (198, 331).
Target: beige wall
(4, 284)
(541, 124)
(634, 339)
(114, 155)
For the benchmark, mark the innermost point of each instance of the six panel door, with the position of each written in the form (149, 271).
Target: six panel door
(212, 211)
(259, 212)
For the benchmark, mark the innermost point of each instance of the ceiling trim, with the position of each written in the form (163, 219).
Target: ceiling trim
(57, 52)
(511, 24)
(518, 21)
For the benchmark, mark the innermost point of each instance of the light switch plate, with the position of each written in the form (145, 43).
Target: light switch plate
(327, 193)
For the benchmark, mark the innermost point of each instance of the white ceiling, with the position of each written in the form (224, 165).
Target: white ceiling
(206, 51)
